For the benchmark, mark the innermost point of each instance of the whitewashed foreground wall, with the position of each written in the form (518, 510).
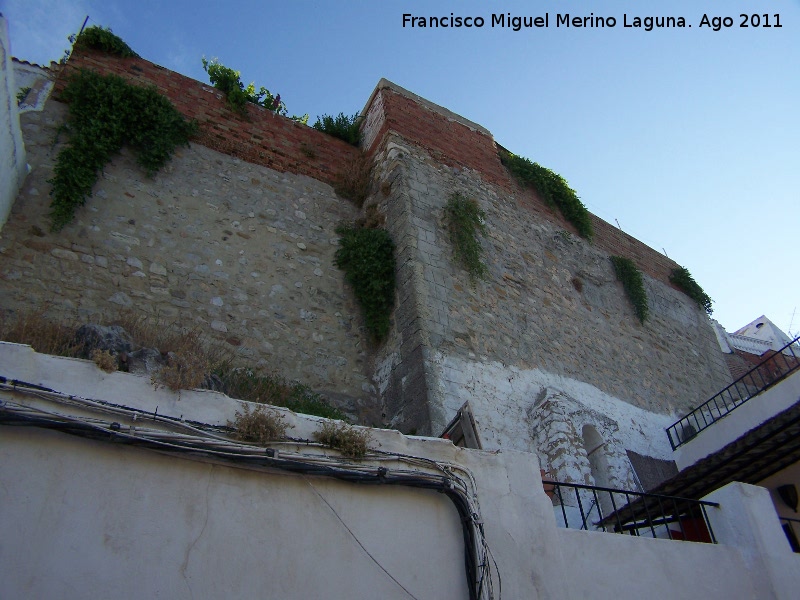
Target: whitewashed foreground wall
(84, 518)
(13, 167)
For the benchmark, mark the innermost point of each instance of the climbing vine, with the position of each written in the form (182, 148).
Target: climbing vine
(552, 188)
(465, 222)
(684, 280)
(105, 113)
(631, 279)
(367, 258)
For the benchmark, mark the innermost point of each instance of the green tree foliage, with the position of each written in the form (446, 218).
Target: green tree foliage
(684, 280)
(552, 188)
(633, 283)
(343, 127)
(105, 113)
(367, 258)
(101, 38)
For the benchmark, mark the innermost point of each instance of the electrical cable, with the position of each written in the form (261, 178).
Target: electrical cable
(203, 440)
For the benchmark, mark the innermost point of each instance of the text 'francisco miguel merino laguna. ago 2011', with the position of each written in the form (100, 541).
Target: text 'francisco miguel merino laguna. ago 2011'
(516, 23)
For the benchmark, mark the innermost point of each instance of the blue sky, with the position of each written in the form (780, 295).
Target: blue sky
(688, 138)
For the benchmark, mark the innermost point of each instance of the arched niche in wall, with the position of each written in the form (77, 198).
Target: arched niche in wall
(595, 448)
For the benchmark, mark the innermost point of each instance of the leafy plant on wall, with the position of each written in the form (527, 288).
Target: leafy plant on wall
(238, 95)
(367, 258)
(465, 223)
(104, 40)
(552, 188)
(343, 127)
(684, 280)
(105, 113)
(632, 281)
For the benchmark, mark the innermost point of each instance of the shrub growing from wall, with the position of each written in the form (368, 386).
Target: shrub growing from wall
(343, 127)
(684, 280)
(367, 258)
(631, 279)
(552, 188)
(105, 113)
(465, 222)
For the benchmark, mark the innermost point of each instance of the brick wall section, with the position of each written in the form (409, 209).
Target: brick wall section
(262, 138)
(448, 141)
(458, 145)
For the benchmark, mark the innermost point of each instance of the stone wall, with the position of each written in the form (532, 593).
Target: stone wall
(246, 252)
(551, 300)
(240, 251)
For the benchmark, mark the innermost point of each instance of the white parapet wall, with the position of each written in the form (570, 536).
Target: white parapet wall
(13, 167)
(739, 421)
(108, 513)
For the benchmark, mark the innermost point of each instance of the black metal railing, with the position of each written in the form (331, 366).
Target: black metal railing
(761, 377)
(791, 527)
(596, 508)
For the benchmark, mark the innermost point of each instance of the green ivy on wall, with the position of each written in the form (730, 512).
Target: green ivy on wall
(105, 113)
(633, 283)
(684, 280)
(465, 222)
(552, 188)
(367, 258)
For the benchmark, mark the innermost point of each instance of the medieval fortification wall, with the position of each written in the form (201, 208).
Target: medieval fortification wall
(237, 234)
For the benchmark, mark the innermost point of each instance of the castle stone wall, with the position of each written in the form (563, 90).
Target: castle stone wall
(551, 303)
(240, 251)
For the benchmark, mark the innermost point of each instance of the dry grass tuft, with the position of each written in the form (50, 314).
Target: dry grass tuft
(353, 182)
(44, 335)
(351, 442)
(259, 426)
(105, 360)
(190, 359)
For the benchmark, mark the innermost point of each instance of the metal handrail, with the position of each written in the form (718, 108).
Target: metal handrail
(733, 396)
(640, 513)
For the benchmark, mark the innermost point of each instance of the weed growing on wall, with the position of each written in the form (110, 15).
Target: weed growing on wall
(190, 359)
(353, 181)
(248, 384)
(684, 280)
(351, 442)
(367, 258)
(552, 188)
(238, 95)
(259, 426)
(465, 222)
(22, 94)
(342, 127)
(105, 113)
(633, 283)
(105, 360)
(102, 39)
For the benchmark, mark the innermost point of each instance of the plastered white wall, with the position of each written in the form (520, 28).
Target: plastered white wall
(739, 421)
(543, 413)
(87, 518)
(13, 167)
